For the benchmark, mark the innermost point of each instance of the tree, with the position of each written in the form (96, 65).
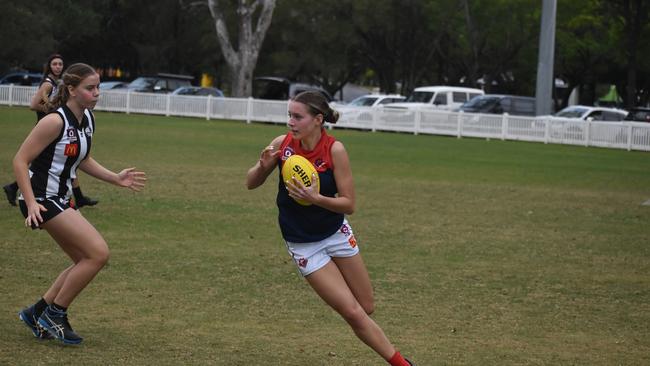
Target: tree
(26, 38)
(497, 38)
(312, 50)
(242, 57)
(398, 40)
(633, 16)
(583, 47)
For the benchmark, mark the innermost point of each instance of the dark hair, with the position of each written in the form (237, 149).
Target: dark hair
(317, 104)
(73, 76)
(47, 68)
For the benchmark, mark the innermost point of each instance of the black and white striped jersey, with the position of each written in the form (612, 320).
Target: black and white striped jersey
(52, 171)
(50, 96)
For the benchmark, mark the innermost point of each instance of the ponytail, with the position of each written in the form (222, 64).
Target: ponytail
(72, 77)
(317, 104)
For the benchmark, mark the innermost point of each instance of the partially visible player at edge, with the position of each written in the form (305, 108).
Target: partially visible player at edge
(318, 237)
(44, 166)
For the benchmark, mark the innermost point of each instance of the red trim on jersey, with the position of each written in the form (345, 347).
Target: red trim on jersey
(320, 157)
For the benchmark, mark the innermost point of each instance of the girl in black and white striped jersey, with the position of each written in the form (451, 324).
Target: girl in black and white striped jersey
(44, 167)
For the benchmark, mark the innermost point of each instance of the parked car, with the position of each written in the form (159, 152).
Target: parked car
(374, 100)
(588, 113)
(360, 108)
(22, 78)
(276, 88)
(638, 114)
(198, 90)
(576, 129)
(112, 85)
(160, 83)
(437, 97)
(498, 104)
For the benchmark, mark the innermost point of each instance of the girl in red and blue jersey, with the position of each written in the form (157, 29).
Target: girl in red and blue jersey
(318, 236)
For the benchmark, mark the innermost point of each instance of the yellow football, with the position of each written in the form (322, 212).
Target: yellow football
(301, 168)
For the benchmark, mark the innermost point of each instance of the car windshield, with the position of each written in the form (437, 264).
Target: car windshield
(480, 103)
(420, 97)
(187, 91)
(363, 102)
(142, 83)
(571, 112)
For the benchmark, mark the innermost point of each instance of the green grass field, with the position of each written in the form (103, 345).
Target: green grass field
(481, 253)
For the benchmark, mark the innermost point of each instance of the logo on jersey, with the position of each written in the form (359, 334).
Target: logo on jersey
(287, 152)
(319, 163)
(302, 262)
(345, 229)
(71, 150)
(70, 132)
(88, 131)
(352, 241)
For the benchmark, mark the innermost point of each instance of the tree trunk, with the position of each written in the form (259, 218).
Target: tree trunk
(635, 18)
(242, 60)
(472, 70)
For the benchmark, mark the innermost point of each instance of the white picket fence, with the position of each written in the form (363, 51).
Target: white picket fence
(619, 135)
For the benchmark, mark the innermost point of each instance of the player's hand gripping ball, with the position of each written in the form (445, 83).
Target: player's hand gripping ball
(301, 168)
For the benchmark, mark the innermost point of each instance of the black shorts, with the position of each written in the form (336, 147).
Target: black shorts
(54, 206)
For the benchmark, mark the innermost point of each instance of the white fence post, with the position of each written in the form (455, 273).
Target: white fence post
(128, 101)
(167, 103)
(375, 115)
(459, 125)
(588, 133)
(629, 136)
(207, 107)
(249, 109)
(547, 130)
(11, 95)
(418, 120)
(504, 126)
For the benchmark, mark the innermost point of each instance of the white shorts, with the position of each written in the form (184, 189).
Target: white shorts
(310, 257)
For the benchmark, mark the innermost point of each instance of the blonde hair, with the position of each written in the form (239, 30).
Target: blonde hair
(317, 104)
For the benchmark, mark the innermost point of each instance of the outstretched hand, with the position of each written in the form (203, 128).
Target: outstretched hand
(131, 179)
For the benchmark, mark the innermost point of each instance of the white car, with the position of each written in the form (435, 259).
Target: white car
(587, 113)
(361, 107)
(569, 124)
(437, 97)
(374, 100)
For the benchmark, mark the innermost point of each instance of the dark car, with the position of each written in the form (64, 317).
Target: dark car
(160, 83)
(639, 114)
(198, 91)
(282, 89)
(498, 104)
(22, 78)
(112, 85)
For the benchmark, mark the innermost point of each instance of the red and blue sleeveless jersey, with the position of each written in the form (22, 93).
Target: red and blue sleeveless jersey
(304, 224)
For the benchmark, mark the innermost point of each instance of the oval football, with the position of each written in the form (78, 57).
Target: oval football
(301, 168)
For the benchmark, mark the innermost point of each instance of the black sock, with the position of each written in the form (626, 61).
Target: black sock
(58, 308)
(14, 186)
(77, 193)
(40, 306)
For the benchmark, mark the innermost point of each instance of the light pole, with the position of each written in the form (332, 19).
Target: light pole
(545, 78)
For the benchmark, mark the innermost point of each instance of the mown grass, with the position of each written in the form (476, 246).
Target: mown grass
(481, 253)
